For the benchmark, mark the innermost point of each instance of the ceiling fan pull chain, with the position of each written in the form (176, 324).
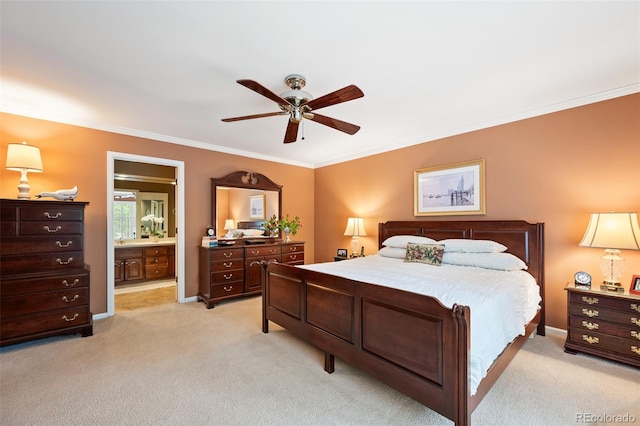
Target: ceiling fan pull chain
(303, 130)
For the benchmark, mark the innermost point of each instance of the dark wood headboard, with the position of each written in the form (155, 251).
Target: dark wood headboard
(522, 239)
(257, 224)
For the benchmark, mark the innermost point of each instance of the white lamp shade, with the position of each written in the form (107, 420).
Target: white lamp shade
(21, 156)
(229, 224)
(355, 227)
(612, 230)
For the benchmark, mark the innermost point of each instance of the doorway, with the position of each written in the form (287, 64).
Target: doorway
(173, 219)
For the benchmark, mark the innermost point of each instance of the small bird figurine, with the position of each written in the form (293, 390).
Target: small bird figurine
(61, 194)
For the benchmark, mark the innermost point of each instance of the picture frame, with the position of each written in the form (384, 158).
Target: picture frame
(635, 285)
(256, 206)
(342, 253)
(452, 189)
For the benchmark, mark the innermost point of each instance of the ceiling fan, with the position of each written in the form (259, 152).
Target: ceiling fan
(299, 104)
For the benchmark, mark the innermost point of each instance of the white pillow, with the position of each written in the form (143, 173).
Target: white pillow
(401, 241)
(252, 232)
(454, 245)
(395, 252)
(499, 261)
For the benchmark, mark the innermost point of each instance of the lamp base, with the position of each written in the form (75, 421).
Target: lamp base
(23, 186)
(611, 287)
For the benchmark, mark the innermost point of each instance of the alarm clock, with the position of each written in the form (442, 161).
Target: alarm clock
(210, 231)
(582, 279)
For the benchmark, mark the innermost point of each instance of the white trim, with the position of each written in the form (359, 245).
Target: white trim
(180, 209)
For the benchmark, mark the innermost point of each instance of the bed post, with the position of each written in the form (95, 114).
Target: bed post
(462, 322)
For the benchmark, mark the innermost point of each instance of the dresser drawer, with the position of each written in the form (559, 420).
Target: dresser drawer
(227, 253)
(44, 301)
(24, 325)
(41, 244)
(262, 251)
(226, 265)
(625, 347)
(58, 212)
(227, 276)
(11, 264)
(34, 283)
(227, 289)
(49, 228)
(293, 258)
(292, 248)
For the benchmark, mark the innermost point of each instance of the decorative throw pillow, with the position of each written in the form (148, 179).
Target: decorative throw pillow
(425, 253)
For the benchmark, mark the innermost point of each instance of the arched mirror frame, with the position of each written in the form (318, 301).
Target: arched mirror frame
(244, 180)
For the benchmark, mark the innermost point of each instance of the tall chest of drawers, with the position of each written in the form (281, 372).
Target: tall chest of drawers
(44, 284)
(228, 272)
(603, 324)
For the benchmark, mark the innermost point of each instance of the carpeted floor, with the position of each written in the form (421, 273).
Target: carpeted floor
(181, 364)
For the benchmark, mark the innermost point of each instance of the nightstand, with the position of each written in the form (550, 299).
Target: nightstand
(339, 258)
(605, 324)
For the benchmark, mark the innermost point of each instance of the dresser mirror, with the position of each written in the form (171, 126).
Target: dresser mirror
(243, 197)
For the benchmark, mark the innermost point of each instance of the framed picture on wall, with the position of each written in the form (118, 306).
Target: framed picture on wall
(256, 207)
(453, 189)
(635, 285)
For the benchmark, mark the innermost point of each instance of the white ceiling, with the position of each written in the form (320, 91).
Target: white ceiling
(429, 69)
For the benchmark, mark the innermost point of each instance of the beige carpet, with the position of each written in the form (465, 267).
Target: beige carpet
(176, 364)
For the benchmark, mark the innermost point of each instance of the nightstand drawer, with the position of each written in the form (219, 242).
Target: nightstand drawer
(596, 325)
(601, 341)
(603, 300)
(597, 313)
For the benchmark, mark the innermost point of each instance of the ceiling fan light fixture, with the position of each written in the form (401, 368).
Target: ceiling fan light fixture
(296, 97)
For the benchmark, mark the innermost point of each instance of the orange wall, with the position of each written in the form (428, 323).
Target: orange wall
(78, 156)
(556, 169)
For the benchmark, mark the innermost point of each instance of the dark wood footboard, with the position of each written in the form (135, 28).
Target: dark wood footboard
(409, 341)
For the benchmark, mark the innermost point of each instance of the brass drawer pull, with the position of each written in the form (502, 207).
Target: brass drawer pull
(228, 289)
(635, 321)
(228, 277)
(635, 307)
(66, 283)
(590, 325)
(294, 256)
(59, 244)
(255, 252)
(64, 262)
(228, 265)
(273, 251)
(590, 339)
(635, 350)
(48, 215)
(635, 334)
(590, 313)
(76, 297)
(46, 228)
(590, 300)
(227, 254)
(64, 317)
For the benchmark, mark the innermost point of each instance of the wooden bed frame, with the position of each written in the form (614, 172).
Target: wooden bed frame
(409, 341)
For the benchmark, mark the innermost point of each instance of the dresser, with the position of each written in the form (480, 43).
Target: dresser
(227, 272)
(44, 283)
(604, 324)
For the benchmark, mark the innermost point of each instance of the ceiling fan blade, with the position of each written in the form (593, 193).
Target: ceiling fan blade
(259, 88)
(345, 94)
(343, 126)
(249, 117)
(291, 135)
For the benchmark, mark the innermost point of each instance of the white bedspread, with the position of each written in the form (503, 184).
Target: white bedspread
(501, 302)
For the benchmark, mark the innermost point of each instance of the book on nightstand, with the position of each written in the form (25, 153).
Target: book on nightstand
(209, 241)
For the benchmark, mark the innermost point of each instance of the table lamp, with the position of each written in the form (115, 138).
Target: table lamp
(612, 232)
(355, 229)
(229, 224)
(23, 158)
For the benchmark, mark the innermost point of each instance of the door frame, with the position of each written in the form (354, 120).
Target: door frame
(179, 206)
